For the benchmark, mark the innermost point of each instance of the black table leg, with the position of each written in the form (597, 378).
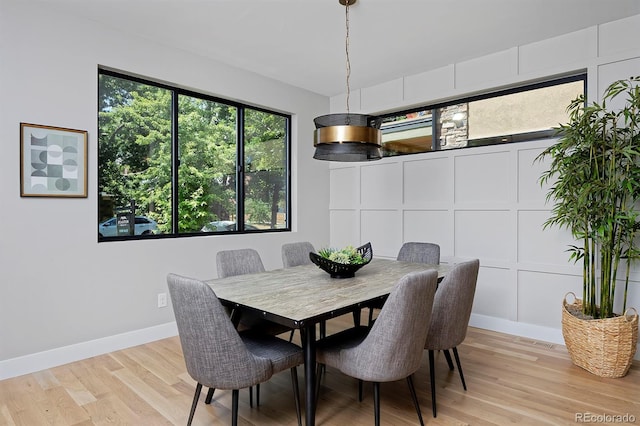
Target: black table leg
(309, 345)
(356, 316)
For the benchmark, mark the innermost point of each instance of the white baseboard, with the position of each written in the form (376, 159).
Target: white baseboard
(47, 359)
(59, 356)
(530, 331)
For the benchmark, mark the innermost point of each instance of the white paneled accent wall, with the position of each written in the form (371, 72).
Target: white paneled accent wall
(483, 202)
(482, 178)
(380, 185)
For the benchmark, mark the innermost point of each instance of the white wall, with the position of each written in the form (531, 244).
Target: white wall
(482, 202)
(63, 296)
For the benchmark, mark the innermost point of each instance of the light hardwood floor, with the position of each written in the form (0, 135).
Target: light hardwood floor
(511, 380)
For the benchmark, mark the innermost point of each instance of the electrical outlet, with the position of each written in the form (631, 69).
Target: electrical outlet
(162, 300)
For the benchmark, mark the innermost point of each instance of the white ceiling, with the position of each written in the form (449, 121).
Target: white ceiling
(302, 42)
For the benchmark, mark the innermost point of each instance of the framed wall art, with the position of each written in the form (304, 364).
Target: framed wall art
(53, 161)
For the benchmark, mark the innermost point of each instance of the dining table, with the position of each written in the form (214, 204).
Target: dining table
(303, 296)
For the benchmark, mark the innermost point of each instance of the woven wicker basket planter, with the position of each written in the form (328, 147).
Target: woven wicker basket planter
(604, 347)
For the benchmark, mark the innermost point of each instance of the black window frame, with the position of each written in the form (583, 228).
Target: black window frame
(496, 140)
(177, 91)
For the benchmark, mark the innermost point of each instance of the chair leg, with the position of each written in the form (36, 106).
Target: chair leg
(294, 380)
(359, 390)
(433, 382)
(196, 397)
(447, 355)
(414, 397)
(257, 395)
(291, 336)
(234, 407)
(376, 402)
(370, 317)
(455, 354)
(209, 397)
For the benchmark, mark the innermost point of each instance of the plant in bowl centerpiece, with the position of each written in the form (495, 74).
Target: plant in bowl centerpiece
(348, 255)
(594, 175)
(342, 263)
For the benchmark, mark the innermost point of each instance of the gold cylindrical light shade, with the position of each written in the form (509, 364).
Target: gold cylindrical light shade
(347, 134)
(348, 137)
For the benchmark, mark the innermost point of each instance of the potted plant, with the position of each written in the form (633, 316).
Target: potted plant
(594, 173)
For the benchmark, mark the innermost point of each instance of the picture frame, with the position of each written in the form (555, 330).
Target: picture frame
(53, 161)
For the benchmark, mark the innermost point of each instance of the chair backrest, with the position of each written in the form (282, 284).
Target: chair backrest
(296, 254)
(452, 306)
(238, 262)
(393, 348)
(420, 253)
(214, 353)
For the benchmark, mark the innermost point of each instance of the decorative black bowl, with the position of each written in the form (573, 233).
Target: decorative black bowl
(342, 270)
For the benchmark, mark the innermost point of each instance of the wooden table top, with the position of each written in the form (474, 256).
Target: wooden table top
(303, 294)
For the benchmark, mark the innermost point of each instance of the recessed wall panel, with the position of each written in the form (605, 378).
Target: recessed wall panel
(344, 188)
(609, 73)
(633, 298)
(382, 96)
(537, 289)
(619, 36)
(634, 275)
(529, 171)
(544, 246)
(344, 228)
(484, 234)
(478, 73)
(383, 228)
(496, 293)
(419, 87)
(380, 185)
(482, 178)
(431, 227)
(575, 47)
(427, 182)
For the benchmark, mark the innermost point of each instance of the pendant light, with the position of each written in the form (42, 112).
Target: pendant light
(347, 137)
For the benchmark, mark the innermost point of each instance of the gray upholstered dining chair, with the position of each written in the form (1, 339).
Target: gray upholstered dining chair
(450, 317)
(419, 252)
(219, 357)
(238, 262)
(296, 254)
(392, 348)
(415, 252)
(241, 262)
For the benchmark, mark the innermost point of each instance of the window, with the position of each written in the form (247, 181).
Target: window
(525, 113)
(177, 163)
